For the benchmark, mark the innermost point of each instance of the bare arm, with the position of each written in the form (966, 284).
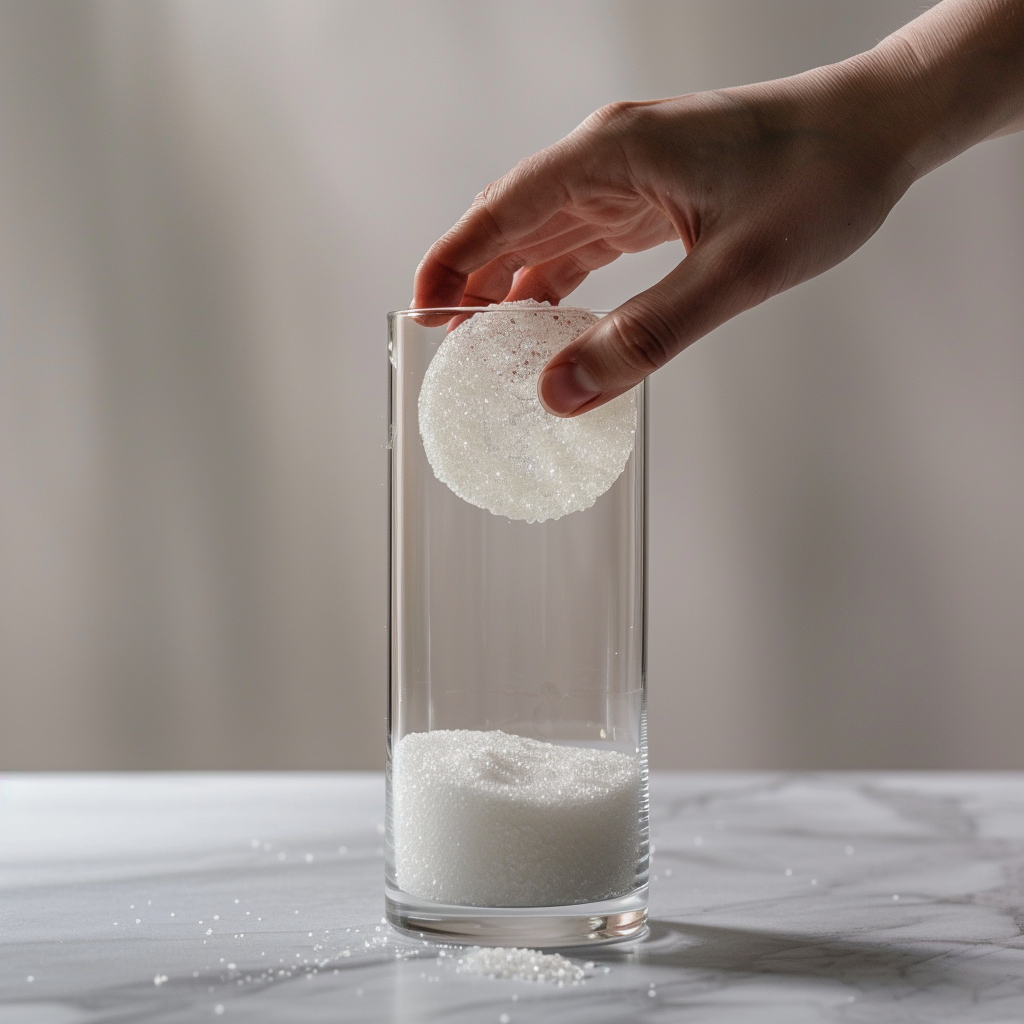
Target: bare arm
(766, 185)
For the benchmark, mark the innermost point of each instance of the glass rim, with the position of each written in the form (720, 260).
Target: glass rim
(499, 308)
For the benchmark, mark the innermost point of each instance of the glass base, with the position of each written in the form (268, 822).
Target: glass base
(581, 924)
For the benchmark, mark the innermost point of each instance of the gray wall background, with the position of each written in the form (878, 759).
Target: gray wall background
(205, 211)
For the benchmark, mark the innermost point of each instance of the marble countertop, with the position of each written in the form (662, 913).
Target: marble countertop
(775, 897)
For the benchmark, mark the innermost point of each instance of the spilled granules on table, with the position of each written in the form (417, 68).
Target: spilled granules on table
(523, 965)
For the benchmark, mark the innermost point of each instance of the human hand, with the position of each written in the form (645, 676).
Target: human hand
(766, 185)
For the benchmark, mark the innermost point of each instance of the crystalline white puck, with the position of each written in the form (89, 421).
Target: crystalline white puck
(487, 436)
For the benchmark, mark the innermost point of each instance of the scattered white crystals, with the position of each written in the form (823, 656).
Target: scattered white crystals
(487, 436)
(491, 819)
(521, 965)
(160, 979)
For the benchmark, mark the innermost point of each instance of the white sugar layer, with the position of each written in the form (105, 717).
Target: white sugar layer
(491, 819)
(487, 436)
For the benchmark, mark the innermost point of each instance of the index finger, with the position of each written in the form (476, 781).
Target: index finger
(500, 219)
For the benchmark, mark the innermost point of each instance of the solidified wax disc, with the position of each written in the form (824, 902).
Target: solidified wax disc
(487, 436)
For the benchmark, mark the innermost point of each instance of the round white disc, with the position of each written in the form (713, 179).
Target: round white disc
(487, 436)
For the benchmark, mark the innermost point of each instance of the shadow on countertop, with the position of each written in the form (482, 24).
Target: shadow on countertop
(863, 964)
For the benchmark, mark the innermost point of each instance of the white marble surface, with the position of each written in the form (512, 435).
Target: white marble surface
(789, 898)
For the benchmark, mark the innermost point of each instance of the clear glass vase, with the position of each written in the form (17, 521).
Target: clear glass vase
(517, 652)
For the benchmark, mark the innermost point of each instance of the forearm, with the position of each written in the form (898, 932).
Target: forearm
(954, 77)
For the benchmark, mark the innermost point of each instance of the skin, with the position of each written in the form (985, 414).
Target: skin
(766, 185)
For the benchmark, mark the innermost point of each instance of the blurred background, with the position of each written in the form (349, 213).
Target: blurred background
(206, 209)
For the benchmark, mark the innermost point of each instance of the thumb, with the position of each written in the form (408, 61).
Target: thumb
(707, 288)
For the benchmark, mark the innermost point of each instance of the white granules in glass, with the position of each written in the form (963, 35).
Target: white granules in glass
(487, 436)
(522, 965)
(491, 819)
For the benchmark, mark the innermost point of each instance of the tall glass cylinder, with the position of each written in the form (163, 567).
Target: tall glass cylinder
(517, 807)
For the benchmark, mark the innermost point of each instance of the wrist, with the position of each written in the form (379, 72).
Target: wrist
(944, 82)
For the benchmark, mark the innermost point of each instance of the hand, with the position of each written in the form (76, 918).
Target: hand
(766, 186)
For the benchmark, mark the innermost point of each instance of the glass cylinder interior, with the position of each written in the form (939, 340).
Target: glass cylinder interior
(517, 808)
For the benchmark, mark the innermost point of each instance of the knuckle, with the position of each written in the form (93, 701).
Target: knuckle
(575, 265)
(615, 117)
(489, 193)
(512, 262)
(484, 213)
(483, 204)
(438, 257)
(646, 340)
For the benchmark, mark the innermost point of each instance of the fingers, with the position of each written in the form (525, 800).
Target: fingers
(491, 283)
(715, 282)
(552, 281)
(548, 271)
(548, 282)
(502, 216)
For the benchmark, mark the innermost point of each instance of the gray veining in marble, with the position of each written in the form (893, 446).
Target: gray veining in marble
(257, 898)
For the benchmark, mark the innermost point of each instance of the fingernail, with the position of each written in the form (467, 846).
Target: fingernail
(566, 387)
